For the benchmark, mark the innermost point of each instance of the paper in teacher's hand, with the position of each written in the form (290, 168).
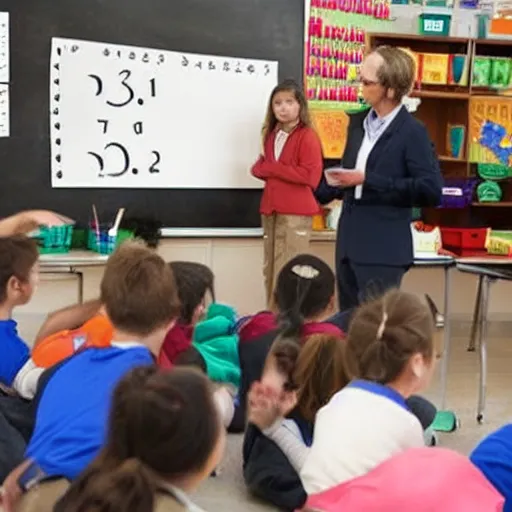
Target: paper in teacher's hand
(333, 175)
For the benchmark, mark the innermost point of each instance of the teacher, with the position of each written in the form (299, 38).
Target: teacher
(389, 166)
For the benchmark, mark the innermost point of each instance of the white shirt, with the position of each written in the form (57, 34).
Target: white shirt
(363, 425)
(374, 127)
(279, 142)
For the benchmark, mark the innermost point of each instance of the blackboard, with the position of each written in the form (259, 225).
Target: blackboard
(261, 29)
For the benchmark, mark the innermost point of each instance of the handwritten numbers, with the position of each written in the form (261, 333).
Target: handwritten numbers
(145, 58)
(211, 66)
(199, 65)
(225, 66)
(118, 53)
(152, 167)
(251, 69)
(267, 69)
(126, 73)
(152, 84)
(74, 48)
(104, 122)
(184, 61)
(161, 59)
(131, 55)
(237, 69)
(106, 52)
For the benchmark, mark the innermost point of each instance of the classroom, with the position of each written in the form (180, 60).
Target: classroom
(331, 171)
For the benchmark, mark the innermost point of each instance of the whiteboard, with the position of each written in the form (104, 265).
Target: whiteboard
(4, 47)
(128, 117)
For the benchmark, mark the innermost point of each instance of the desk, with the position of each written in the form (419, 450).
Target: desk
(488, 270)
(446, 263)
(71, 263)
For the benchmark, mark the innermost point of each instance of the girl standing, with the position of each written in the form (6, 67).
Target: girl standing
(291, 166)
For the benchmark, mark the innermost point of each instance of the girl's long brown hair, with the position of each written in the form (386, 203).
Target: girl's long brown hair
(270, 118)
(319, 372)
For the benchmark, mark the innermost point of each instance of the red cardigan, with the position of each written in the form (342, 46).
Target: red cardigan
(290, 182)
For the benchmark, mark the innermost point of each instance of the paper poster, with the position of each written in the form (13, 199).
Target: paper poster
(4, 46)
(132, 117)
(4, 110)
(331, 127)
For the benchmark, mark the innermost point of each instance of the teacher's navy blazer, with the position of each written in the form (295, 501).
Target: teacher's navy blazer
(402, 172)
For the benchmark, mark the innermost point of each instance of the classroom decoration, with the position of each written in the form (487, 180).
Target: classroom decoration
(4, 47)
(494, 171)
(499, 243)
(493, 72)
(129, 117)
(490, 130)
(489, 192)
(334, 50)
(455, 142)
(4, 110)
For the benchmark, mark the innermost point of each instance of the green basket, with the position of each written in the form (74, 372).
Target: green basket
(55, 239)
(433, 24)
(107, 244)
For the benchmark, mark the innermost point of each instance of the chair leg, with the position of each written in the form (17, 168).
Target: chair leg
(475, 326)
(482, 342)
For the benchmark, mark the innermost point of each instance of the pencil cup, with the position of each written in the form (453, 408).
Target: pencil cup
(101, 242)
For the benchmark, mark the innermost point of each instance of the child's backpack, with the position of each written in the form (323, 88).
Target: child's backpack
(96, 332)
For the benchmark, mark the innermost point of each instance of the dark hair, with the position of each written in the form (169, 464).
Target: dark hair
(138, 290)
(163, 425)
(284, 352)
(18, 255)
(304, 289)
(193, 280)
(191, 357)
(385, 333)
(292, 86)
(319, 372)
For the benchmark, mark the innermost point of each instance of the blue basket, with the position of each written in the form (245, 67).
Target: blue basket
(55, 239)
(101, 242)
(468, 189)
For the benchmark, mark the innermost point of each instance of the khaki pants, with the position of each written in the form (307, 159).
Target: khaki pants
(44, 496)
(284, 236)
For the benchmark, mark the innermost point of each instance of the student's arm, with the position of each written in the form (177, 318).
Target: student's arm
(256, 169)
(423, 186)
(290, 444)
(309, 168)
(27, 221)
(70, 317)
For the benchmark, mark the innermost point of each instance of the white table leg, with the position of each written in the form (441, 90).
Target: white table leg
(482, 340)
(447, 334)
(477, 313)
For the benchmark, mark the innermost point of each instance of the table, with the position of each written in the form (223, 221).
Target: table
(447, 263)
(71, 263)
(488, 270)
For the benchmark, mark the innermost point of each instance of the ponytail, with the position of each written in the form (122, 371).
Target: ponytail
(126, 487)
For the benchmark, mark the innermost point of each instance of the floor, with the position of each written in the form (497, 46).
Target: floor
(227, 492)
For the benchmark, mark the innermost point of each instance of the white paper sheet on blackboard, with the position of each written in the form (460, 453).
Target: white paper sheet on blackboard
(4, 46)
(131, 117)
(4, 111)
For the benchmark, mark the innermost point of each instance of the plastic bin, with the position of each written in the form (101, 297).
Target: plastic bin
(434, 24)
(55, 239)
(459, 240)
(467, 188)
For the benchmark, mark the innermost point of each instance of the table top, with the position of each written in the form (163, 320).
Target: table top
(502, 272)
(72, 259)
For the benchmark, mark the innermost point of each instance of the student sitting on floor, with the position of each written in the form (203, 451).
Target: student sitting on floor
(150, 461)
(493, 457)
(140, 298)
(296, 382)
(304, 297)
(417, 480)
(19, 275)
(390, 353)
(77, 327)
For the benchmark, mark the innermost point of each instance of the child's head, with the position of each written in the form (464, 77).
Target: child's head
(194, 281)
(304, 292)
(19, 270)
(319, 372)
(139, 293)
(164, 428)
(287, 105)
(390, 341)
(280, 364)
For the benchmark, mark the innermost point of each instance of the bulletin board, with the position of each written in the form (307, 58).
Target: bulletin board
(335, 35)
(264, 30)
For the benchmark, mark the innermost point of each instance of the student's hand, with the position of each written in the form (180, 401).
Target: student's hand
(287, 402)
(11, 493)
(263, 406)
(47, 218)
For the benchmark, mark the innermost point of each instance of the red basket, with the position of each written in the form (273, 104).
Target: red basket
(464, 239)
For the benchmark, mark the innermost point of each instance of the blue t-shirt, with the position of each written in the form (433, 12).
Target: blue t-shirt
(72, 417)
(14, 352)
(493, 456)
